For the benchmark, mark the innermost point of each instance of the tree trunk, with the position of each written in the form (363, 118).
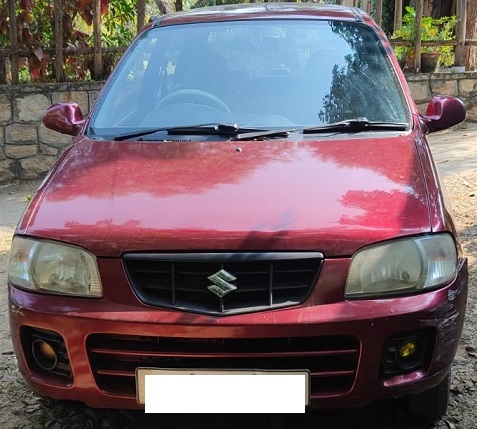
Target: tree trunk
(441, 8)
(165, 6)
(470, 52)
(141, 14)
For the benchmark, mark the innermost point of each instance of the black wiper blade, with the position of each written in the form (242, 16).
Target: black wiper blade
(349, 125)
(357, 125)
(213, 129)
(229, 130)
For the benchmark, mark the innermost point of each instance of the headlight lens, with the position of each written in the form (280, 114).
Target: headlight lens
(46, 266)
(402, 266)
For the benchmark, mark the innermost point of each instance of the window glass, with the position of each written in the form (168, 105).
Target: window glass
(265, 73)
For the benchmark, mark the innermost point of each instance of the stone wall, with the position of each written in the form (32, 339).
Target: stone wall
(28, 149)
(462, 85)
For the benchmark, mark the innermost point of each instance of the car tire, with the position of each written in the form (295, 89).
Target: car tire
(431, 404)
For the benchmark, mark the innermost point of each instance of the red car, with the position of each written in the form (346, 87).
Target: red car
(252, 191)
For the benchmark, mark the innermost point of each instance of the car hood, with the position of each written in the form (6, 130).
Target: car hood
(333, 195)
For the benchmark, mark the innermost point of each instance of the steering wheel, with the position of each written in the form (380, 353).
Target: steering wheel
(194, 96)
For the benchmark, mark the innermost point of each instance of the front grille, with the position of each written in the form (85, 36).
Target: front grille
(249, 281)
(331, 360)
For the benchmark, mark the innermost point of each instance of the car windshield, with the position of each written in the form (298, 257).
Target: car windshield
(261, 74)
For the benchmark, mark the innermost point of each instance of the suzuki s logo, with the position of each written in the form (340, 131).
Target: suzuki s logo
(221, 283)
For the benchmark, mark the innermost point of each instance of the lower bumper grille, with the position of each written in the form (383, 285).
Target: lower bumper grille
(223, 283)
(331, 360)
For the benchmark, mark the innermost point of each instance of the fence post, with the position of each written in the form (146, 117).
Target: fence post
(397, 15)
(98, 63)
(417, 38)
(13, 40)
(461, 12)
(59, 73)
(379, 12)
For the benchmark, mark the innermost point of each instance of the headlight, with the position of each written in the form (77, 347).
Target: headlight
(46, 266)
(402, 266)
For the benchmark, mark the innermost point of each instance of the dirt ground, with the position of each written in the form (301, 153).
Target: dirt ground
(455, 152)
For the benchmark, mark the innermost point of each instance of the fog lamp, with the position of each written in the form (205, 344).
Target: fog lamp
(44, 354)
(407, 350)
(409, 354)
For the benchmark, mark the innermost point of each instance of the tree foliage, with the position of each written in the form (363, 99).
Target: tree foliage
(36, 33)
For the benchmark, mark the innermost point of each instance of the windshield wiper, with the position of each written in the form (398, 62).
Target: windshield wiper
(357, 125)
(237, 133)
(228, 130)
(348, 125)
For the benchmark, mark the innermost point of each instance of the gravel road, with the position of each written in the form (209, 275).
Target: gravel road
(456, 155)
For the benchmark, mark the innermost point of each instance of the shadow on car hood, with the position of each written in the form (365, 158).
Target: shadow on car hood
(332, 195)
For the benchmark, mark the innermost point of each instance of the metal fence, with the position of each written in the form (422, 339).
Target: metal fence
(99, 60)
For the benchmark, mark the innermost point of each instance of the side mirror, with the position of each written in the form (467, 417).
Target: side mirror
(66, 118)
(443, 112)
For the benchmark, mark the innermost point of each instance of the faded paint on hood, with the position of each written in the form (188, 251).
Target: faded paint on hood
(330, 195)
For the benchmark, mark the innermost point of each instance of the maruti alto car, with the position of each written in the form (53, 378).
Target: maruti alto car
(252, 190)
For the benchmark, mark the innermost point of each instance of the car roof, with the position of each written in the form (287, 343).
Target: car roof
(250, 11)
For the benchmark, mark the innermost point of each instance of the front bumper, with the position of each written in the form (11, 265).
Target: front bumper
(342, 343)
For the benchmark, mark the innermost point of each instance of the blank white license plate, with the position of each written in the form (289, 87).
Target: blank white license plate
(222, 391)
